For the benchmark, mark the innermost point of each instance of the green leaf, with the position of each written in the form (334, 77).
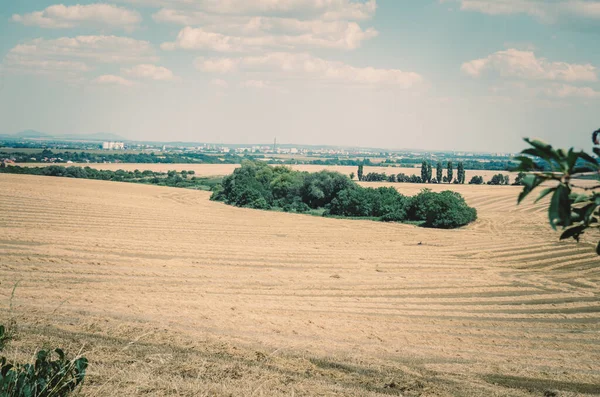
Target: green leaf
(544, 150)
(539, 144)
(572, 158)
(526, 164)
(553, 209)
(559, 211)
(529, 182)
(582, 169)
(583, 155)
(533, 152)
(588, 212)
(573, 232)
(544, 193)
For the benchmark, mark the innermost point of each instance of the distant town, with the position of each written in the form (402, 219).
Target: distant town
(31, 146)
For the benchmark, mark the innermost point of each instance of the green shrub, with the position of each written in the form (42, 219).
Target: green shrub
(4, 337)
(499, 179)
(476, 180)
(445, 210)
(45, 378)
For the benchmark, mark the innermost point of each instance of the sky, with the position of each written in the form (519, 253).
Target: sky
(461, 75)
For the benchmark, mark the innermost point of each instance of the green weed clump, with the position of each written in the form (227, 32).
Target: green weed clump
(51, 375)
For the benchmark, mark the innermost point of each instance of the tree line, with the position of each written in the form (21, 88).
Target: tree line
(64, 156)
(182, 179)
(427, 176)
(260, 186)
(136, 158)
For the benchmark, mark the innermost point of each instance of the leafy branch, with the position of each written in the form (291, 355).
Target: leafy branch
(573, 207)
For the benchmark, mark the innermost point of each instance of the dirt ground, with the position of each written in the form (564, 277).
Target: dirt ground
(168, 293)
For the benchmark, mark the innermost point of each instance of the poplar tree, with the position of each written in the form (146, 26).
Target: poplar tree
(461, 172)
(429, 172)
(450, 172)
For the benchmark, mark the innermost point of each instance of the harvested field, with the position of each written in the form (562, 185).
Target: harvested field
(173, 294)
(226, 169)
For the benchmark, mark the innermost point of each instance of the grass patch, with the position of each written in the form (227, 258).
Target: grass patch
(537, 385)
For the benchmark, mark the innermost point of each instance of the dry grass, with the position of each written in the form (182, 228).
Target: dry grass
(171, 294)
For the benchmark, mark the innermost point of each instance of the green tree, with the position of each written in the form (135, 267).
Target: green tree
(450, 172)
(360, 172)
(352, 175)
(460, 170)
(439, 171)
(424, 171)
(429, 172)
(498, 179)
(574, 205)
(519, 178)
(445, 210)
(476, 180)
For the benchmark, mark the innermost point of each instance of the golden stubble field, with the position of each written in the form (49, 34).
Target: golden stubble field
(169, 293)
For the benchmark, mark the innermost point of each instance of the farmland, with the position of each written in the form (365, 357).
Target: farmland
(172, 294)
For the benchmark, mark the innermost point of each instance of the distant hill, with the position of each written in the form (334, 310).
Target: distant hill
(98, 136)
(31, 134)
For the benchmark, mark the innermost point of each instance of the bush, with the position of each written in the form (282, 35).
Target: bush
(244, 188)
(45, 378)
(445, 210)
(499, 179)
(375, 177)
(519, 179)
(4, 337)
(476, 180)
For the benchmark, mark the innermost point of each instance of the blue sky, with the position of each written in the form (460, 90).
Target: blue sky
(440, 75)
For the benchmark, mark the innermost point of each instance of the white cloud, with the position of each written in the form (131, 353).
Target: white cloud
(544, 92)
(17, 63)
(568, 91)
(544, 10)
(217, 65)
(149, 71)
(310, 34)
(102, 49)
(258, 84)
(325, 9)
(98, 15)
(219, 83)
(310, 67)
(245, 26)
(256, 25)
(109, 79)
(525, 65)
(70, 58)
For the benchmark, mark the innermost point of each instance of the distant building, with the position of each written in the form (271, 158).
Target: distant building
(113, 145)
